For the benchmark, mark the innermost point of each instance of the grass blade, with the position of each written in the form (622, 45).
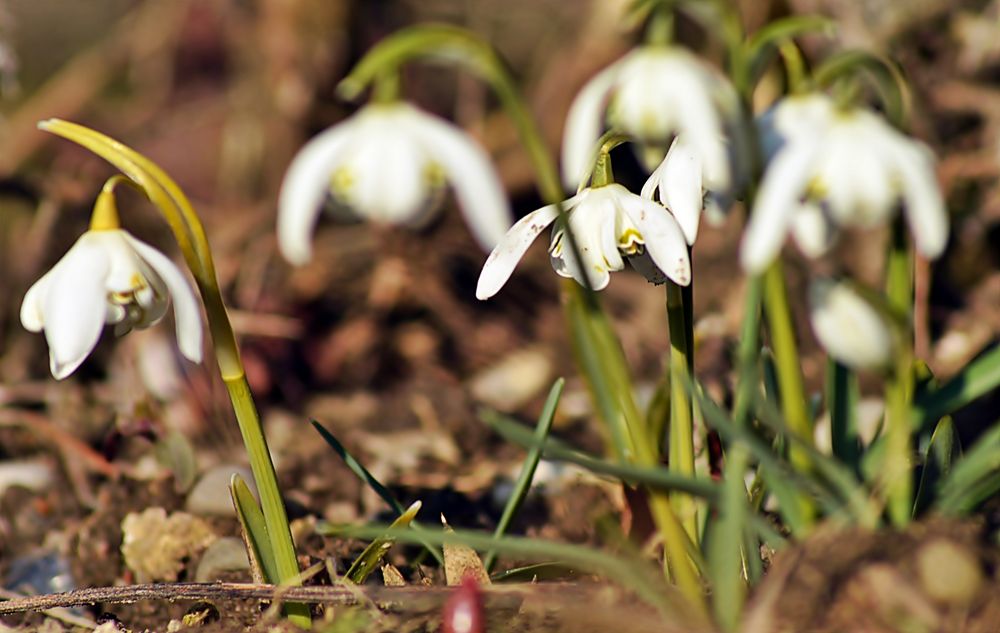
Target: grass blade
(358, 469)
(524, 478)
(961, 487)
(979, 377)
(368, 560)
(942, 452)
(726, 540)
(842, 401)
(555, 450)
(254, 530)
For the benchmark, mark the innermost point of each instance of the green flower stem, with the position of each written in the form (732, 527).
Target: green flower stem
(681, 426)
(164, 193)
(786, 356)
(899, 388)
(607, 373)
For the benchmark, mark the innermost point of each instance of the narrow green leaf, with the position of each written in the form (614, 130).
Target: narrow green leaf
(979, 378)
(842, 401)
(358, 469)
(555, 450)
(535, 572)
(254, 529)
(761, 45)
(726, 541)
(369, 559)
(961, 489)
(523, 483)
(942, 451)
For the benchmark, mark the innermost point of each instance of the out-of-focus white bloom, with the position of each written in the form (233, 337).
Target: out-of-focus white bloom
(849, 327)
(833, 168)
(386, 163)
(108, 276)
(653, 93)
(679, 184)
(608, 222)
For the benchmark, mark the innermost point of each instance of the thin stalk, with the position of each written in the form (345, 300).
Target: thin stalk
(794, 407)
(190, 235)
(899, 388)
(681, 425)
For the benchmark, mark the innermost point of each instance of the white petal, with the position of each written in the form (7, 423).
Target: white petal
(74, 307)
(681, 189)
(849, 328)
(302, 192)
(386, 166)
(663, 237)
(813, 231)
(32, 317)
(186, 313)
(783, 184)
(924, 205)
(584, 123)
(477, 187)
(501, 263)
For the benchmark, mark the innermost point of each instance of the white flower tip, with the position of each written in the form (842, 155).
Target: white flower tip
(848, 327)
(63, 368)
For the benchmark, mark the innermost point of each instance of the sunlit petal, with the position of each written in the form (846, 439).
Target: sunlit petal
(186, 313)
(663, 237)
(784, 182)
(32, 315)
(813, 231)
(468, 167)
(302, 192)
(924, 206)
(584, 123)
(679, 180)
(501, 263)
(74, 307)
(849, 328)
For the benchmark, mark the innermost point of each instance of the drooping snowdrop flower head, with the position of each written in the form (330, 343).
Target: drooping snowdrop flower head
(386, 163)
(849, 327)
(108, 276)
(651, 94)
(610, 224)
(835, 167)
(679, 184)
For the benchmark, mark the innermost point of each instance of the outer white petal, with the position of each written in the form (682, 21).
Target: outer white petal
(477, 187)
(501, 263)
(924, 205)
(304, 188)
(663, 237)
(848, 327)
(186, 313)
(584, 123)
(813, 231)
(32, 316)
(74, 307)
(784, 182)
(680, 187)
(387, 166)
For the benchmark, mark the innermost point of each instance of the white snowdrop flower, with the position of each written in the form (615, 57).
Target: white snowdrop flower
(609, 224)
(653, 93)
(849, 327)
(386, 163)
(840, 168)
(108, 276)
(679, 184)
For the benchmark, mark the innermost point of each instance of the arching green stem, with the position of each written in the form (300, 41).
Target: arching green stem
(164, 193)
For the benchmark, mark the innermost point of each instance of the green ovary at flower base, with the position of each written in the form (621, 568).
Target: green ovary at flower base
(129, 281)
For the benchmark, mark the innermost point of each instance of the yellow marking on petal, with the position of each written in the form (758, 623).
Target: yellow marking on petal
(434, 175)
(630, 241)
(816, 189)
(342, 181)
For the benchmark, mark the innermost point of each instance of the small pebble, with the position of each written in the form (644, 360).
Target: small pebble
(210, 496)
(949, 573)
(513, 381)
(224, 555)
